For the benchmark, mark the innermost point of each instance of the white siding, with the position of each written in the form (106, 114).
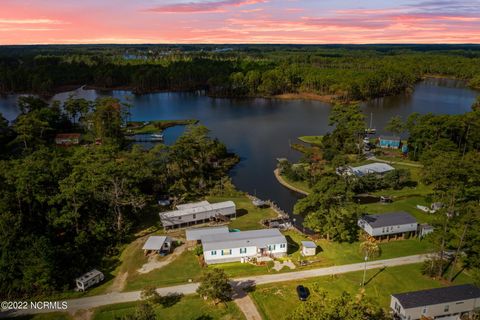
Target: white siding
(210, 257)
(383, 231)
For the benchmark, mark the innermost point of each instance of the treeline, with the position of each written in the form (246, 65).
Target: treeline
(345, 74)
(65, 210)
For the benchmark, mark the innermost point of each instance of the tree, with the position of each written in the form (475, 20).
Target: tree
(215, 285)
(150, 295)
(395, 125)
(370, 248)
(324, 307)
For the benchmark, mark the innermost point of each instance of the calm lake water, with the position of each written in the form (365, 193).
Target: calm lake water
(260, 130)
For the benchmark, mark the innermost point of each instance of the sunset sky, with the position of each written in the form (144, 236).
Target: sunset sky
(239, 21)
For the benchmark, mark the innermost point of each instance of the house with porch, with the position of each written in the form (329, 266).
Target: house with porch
(243, 245)
(389, 225)
(198, 212)
(447, 303)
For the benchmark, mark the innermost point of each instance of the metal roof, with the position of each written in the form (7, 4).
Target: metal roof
(155, 243)
(252, 238)
(389, 219)
(198, 209)
(437, 296)
(89, 275)
(192, 205)
(376, 167)
(198, 233)
(309, 244)
(390, 138)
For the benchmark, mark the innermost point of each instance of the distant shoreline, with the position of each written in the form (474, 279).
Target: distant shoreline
(284, 183)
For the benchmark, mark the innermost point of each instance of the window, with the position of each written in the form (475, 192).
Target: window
(226, 252)
(282, 245)
(271, 247)
(243, 250)
(194, 216)
(446, 308)
(425, 309)
(214, 252)
(397, 307)
(180, 218)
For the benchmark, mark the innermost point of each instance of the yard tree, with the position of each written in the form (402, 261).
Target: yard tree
(322, 306)
(395, 125)
(370, 248)
(215, 285)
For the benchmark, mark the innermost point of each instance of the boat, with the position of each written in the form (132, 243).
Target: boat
(371, 130)
(156, 137)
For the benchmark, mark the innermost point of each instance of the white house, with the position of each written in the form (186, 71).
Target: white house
(194, 235)
(235, 246)
(377, 168)
(198, 212)
(388, 224)
(448, 303)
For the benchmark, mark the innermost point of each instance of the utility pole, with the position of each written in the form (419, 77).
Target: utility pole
(365, 270)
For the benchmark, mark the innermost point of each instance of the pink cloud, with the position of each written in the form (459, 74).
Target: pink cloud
(202, 7)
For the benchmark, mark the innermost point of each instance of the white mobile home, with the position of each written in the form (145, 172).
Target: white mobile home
(235, 246)
(385, 225)
(199, 212)
(448, 303)
(376, 168)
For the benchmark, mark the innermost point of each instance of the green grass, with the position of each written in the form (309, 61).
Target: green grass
(136, 127)
(311, 139)
(183, 268)
(277, 300)
(333, 253)
(301, 184)
(248, 216)
(189, 307)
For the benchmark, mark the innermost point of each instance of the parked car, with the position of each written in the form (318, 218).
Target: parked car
(302, 293)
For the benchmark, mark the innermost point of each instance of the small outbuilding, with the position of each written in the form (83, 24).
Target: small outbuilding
(89, 279)
(158, 244)
(309, 248)
(389, 142)
(424, 229)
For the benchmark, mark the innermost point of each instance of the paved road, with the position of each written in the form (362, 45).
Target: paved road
(113, 298)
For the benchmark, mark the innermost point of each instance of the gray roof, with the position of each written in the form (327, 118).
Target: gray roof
(376, 167)
(437, 296)
(388, 219)
(192, 205)
(89, 275)
(389, 138)
(258, 238)
(198, 208)
(198, 233)
(309, 244)
(155, 242)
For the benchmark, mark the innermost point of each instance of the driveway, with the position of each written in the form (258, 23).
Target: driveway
(120, 297)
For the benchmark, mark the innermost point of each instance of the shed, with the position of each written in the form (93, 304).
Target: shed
(389, 142)
(159, 244)
(424, 229)
(309, 248)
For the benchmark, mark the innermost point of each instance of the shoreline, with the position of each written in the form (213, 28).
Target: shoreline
(284, 183)
(305, 96)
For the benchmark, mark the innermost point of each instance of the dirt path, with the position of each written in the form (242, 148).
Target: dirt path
(119, 282)
(245, 303)
(190, 288)
(153, 263)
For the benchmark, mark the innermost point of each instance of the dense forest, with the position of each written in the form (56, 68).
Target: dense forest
(65, 210)
(338, 72)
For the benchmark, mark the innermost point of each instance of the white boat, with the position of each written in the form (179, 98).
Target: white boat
(156, 136)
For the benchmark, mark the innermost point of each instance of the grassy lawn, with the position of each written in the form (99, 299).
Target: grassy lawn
(311, 139)
(179, 271)
(302, 185)
(189, 307)
(154, 126)
(334, 253)
(248, 216)
(276, 300)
